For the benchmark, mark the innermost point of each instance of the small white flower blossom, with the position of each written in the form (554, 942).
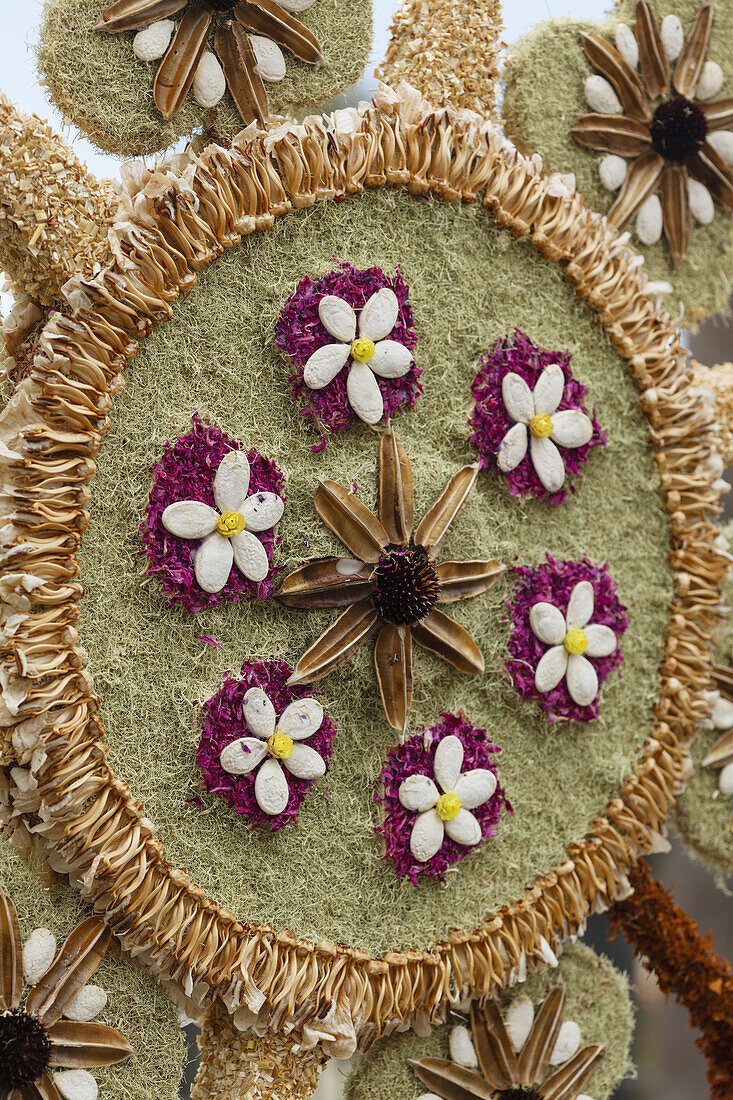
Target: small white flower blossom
(449, 812)
(572, 638)
(539, 426)
(371, 353)
(274, 740)
(226, 536)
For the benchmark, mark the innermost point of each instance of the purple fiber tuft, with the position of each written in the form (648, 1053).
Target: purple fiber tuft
(416, 756)
(223, 722)
(489, 421)
(552, 582)
(299, 332)
(186, 472)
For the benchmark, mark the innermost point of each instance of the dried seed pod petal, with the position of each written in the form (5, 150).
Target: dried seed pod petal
(461, 579)
(86, 1045)
(610, 64)
(450, 1081)
(327, 582)
(676, 211)
(444, 637)
(718, 114)
(38, 954)
(619, 134)
(177, 70)
(77, 960)
(641, 181)
(239, 63)
(269, 57)
(128, 15)
(721, 753)
(336, 644)
(570, 1078)
(652, 55)
(396, 489)
(535, 1056)
(493, 1047)
(708, 168)
(437, 522)
(11, 955)
(691, 60)
(350, 520)
(393, 666)
(268, 18)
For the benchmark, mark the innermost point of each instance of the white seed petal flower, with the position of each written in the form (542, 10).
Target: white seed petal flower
(519, 1020)
(475, 787)
(324, 364)
(76, 1084)
(649, 221)
(189, 519)
(262, 511)
(601, 97)
(612, 170)
(580, 605)
(301, 719)
(673, 36)
(151, 43)
(568, 654)
(548, 390)
(463, 828)
(582, 680)
(702, 206)
(548, 623)
(710, 81)
(722, 142)
(296, 5)
(462, 1050)
(269, 57)
(601, 640)
(242, 756)
(627, 45)
(305, 763)
(418, 793)
(571, 428)
(518, 399)
(567, 1043)
(231, 482)
(209, 83)
(38, 954)
(271, 787)
(551, 668)
(391, 359)
(88, 1003)
(548, 463)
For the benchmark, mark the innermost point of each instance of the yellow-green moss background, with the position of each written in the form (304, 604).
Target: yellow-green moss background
(469, 284)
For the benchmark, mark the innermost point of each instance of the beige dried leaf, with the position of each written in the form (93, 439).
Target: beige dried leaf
(11, 955)
(433, 530)
(396, 496)
(76, 1045)
(461, 579)
(350, 520)
(393, 665)
(336, 644)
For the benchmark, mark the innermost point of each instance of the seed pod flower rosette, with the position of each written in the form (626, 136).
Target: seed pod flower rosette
(307, 929)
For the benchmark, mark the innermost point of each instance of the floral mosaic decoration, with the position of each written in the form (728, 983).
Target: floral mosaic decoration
(720, 755)
(566, 624)
(529, 422)
(440, 798)
(263, 744)
(211, 513)
(351, 335)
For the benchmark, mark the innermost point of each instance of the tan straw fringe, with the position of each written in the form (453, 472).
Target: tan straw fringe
(57, 784)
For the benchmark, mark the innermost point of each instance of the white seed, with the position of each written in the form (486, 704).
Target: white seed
(649, 221)
(270, 58)
(364, 394)
(519, 1020)
(568, 1041)
(296, 5)
(379, 314)
(561, 185)
(259, 713)
(337, 317)
(152, 42)
(627, 45)
(271, 788)
(426, 836)
(722, 712)
(209, 83)
(76, 1084)
(657, 287)
(461, 1048)
(702, 206)
(612, 171)
(726, 779)
(722, 143)
(710, 81)
(88, 1003)
(601, 96)
(545, 952)
(38, 952)
(673, 36)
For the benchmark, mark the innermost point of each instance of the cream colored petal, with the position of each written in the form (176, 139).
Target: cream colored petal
(722, 143)
(231, 482)
(379, 315)
(296, 5)
(519, 1020)
(209, 82)
(601, 640)
(548, 390)
(39, 951)
(88, 1003)
(512, 448)
(151, 42)
(517, 397)
(338, 318)
(301, 719)
(464, 829)
(568, 1041)
(580, 605)
(551, 668)
(475, 787)
(722, 713)
(627, 45)
(548, 463)
(702, 206)
(612, 170)
(269, 57)
(262, 511)
(427, 836)
(649, 221)
(710, 81)
(242, 756)
(324, 364)
(725, 780)
(364, 394)
(305, 762)
(673, 36)
(601, 97)
(571, 428)
(250, 556)
(271, 788)
(582, 680)
(448, 762)
(213, 562)
(259, 713)
(418, 792)
(548, 623)
(461, 1048)
(391, 359)
(189, 519)
(76, 1084)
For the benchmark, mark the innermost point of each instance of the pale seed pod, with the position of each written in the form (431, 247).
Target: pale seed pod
(673, 36)
(612, 171)
(710, 82)
(627, 45)
(151, 43)
(649, 221)
(702, 206)
(601, 96)
(209, 83)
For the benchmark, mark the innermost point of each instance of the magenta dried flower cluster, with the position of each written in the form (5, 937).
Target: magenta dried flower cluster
(489, 422)
(186, 472)
(299, 332)
(416, 756)
(552, 582)
(223, 722)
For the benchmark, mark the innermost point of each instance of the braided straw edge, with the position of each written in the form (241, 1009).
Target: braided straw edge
(57, 786)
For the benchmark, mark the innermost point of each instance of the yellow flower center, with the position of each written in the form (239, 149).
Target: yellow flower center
(280, 745)
(230, 524)
(576, 641)
(541, 426)
(448, 806)
(362, 350)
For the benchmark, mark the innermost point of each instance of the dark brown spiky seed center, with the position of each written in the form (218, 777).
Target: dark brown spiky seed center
(406, 586)
(25, 1048)
(218, 5)
(520, 1093)
(678, 129)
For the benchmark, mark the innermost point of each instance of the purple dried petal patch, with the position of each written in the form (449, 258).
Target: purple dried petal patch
(223, 722)
(552, 582)
(299, 332)
(186, 472)
(416, 756)
(489, 422)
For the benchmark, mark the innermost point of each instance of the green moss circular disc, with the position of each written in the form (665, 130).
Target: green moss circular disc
(549, 66)
(98, 83)
(598, 1001)
(324, 877)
